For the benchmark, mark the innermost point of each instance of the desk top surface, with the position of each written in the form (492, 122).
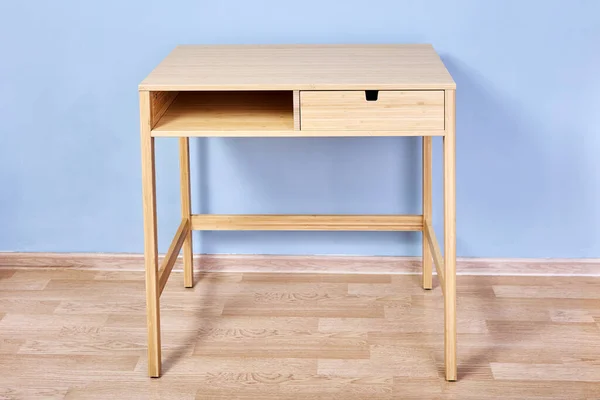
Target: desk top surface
(300, 67)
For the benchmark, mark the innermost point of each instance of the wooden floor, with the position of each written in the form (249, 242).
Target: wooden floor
(69, 334)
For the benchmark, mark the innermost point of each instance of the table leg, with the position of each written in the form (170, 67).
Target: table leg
(450, 238)
(150, 238)
(186, 210)
(427, 257)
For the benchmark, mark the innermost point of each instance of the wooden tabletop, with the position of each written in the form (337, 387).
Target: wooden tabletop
(300, 67)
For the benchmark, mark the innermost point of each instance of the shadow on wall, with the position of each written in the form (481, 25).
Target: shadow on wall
(511, 181)
(309, 176)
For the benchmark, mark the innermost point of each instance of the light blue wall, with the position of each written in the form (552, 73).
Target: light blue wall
(528, 75)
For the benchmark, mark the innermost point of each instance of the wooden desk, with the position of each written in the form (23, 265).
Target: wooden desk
(296, 91)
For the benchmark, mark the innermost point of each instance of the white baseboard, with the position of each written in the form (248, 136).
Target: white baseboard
(307, 264)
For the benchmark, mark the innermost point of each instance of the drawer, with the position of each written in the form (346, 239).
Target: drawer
(383, 110)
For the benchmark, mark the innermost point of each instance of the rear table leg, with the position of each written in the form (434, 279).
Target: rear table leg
(186, 210)
(427, 258)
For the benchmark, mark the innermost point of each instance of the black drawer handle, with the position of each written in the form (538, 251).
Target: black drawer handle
(371, 95)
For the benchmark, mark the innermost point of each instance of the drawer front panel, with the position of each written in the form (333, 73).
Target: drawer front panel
(384, 110)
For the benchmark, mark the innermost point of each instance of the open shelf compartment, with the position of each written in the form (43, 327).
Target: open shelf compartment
(213, 113)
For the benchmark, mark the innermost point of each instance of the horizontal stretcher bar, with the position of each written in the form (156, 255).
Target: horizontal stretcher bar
(291, 133)
(287, 222)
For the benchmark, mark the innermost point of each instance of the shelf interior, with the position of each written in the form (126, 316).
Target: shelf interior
(228, 111)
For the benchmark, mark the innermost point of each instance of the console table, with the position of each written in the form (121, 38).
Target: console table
(298, 91)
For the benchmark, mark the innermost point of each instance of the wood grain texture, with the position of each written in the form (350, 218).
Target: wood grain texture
(228, 111)
(111, 263)
(150, 234)
(191, 132)
(169, 261)
(307, 222)
(66, 340)
(427, 203)
(434, 250)
(449, 144)
(272, 114)
(159, 104)
(186, 210)
(392, 111)
(300, 67)
(297, 110)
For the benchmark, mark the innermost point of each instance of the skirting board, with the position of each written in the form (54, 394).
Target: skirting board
(306, 264)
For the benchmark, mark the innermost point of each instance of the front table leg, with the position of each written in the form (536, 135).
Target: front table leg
(150, 239)
(450, 238)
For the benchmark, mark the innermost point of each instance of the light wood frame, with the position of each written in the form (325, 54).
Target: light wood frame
(157, 98)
